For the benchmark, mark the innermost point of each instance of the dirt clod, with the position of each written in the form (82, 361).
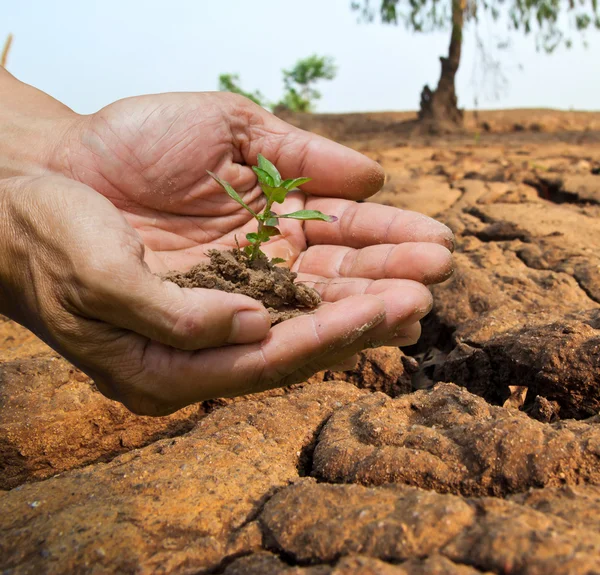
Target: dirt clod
(384, 369)
(449, 440)
(233, 272)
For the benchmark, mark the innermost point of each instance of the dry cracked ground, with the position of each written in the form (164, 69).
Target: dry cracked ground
(476, 451)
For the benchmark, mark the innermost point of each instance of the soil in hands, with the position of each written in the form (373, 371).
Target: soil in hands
(233, 272)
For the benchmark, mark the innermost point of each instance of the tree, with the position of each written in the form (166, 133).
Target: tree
(300, 94)
(439, 108)
(231, 83)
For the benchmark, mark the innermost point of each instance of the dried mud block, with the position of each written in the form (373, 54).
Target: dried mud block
(265, 563)
(544, 410)
(579, 505)
(552, 254)
(493, 291)
(178, 506)
(452, 441)
(511, 538)
(559, 362)
(52, 419)
(318, 523)
(504, 323)
(574, 188)
(508, 193)
(384, 369)
(427, 195)
(555, 238)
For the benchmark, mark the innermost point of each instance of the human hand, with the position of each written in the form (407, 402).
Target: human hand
(155, 347)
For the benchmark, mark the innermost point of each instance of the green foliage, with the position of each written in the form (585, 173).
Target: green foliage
(542, 16)
(300, 94)
(275, 190)
(231, 83)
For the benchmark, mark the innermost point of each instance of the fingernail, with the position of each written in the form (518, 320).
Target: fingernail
(450, 239)
(249, 326)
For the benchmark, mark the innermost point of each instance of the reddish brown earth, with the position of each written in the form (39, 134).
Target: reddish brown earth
(376, 470)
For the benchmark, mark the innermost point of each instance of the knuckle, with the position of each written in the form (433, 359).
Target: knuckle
(191, 330)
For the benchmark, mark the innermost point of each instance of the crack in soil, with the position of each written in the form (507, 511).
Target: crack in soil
(552, 191)
(585, 290)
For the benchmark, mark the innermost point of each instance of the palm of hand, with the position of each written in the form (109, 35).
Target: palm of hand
(149, 156)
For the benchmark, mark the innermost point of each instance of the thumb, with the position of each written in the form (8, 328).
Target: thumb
(184, 318)
(80, 250)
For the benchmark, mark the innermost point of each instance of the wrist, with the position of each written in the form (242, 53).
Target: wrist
(34, 128)
(12, 259)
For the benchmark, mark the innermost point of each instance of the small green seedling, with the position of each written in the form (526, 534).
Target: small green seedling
(275, 190)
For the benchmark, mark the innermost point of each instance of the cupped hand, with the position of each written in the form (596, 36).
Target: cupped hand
(150, 156)
(156, 347)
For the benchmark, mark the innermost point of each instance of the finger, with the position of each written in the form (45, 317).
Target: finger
(187, 319)
(172, 379)
(335, 169)
(423, 262)
(404, 307)
(406, 301)
(347, 356)
(360, 225)
(334, 289)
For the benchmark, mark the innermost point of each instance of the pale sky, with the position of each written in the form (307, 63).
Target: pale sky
(88, 53)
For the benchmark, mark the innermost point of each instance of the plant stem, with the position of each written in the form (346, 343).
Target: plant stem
(260, 219)
(256, 246)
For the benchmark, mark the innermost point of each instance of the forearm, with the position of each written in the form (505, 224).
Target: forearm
(33, 129)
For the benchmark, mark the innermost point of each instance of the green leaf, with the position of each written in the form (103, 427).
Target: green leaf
(232, 193)
(263, 236)
(309, 215)
(268, 167)
(263, 177)
(279, 195)
(276, 261)
(271, 231)
(275, 194)
(272, 221)
(248, 250)
(295, 183)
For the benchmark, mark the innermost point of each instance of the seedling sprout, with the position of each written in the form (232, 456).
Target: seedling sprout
(275, 190)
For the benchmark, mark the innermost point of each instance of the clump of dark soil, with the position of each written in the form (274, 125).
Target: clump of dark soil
(233, 272)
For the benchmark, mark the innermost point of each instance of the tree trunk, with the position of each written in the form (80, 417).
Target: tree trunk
(439, 110)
